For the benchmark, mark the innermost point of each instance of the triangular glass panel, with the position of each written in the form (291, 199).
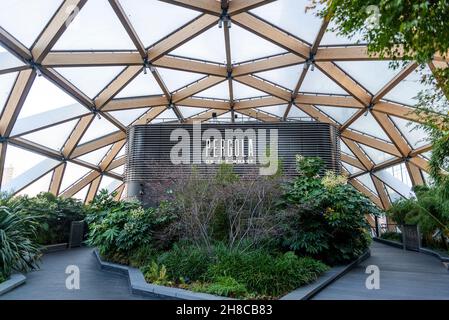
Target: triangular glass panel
(407, 90)
(17, 162)
(95, 27)
(142, 85)
(96, 156)
(372, 75)
(8, 60)
(41, 185)
(341, 115)
(286, 77)
(368, 125)
(344, 148)
(119, 170)
(400, 172)
(247, 46)
(366, 180)
(191, 111)
(90, 80)
(175, 79)
(82, 194)
(73, 172)
(122, 152)
(25, 20)
(333, 38)
(317, 82)
(242, 91)
(6, 83)
(149, 18)
(97, 129)
(48, 118)
(109, 184)
(393, 195)
(351, 169)
(52, 137)
(275, 110)
(219, 91)
(37, 100)
(415, 135)
(166, 116)
(291, 16)
(127, 117)
(212, 39)
(375, 155)
(297, 114)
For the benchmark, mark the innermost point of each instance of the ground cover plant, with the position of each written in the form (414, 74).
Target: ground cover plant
(253, 237)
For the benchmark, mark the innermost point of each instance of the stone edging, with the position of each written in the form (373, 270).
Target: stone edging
(421, 250)
(310, 290)
(139, 286)
(14, 281)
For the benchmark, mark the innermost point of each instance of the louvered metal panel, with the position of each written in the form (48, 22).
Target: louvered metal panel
(149, 165)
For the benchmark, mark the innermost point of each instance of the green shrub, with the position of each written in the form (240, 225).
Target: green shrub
(187, 262)
(120, 229)
(156, 274)
(55, 215)
(2, 279)
(18, 248)
(265, 274)
(223, 286)
(391, 235)
(325, 217)
(429, 210)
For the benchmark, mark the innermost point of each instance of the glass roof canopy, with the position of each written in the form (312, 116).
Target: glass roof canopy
(75, 74)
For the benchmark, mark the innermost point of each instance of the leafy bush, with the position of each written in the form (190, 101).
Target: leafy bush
(226, 209)
(263, 273)
(429, 210)
(223, 286)
(185, 262)
(120, 228)
(325, 217)
(391, 235)
(55, 215)
(18, 248)
(156, 274)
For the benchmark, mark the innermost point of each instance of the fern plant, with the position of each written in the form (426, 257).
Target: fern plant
(18, 248)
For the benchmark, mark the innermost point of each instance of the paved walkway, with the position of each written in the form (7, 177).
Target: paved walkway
(48, 283)
(404, 275)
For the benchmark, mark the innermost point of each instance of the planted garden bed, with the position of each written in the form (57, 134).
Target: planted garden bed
(257, 238)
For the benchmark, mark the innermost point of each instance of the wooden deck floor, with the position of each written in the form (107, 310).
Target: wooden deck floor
(404, 275)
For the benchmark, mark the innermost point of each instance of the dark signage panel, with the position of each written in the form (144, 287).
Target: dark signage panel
(160, 153)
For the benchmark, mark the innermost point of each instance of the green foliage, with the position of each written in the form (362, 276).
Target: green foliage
(118, 228)
(409, 31)
(263, 273)
(18, 248)
(420, 26)
(222, 286)
(186, 262)
(391, 235)
(156, 274)
(325, 220)
(55, 215)
(429, 210)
